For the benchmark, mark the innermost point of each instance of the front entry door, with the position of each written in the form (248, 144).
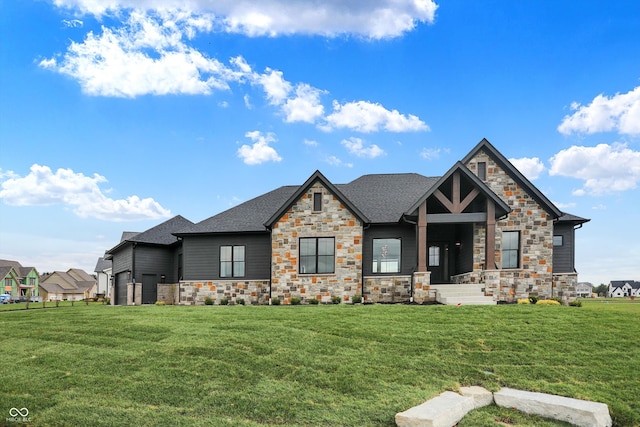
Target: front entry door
(437, 262)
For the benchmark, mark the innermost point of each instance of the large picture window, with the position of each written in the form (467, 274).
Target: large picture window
(510, 249)
(317, 255)
(232, 261)
(386, 255)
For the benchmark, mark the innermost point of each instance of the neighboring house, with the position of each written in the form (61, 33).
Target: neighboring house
(141, 261)
(584, 290)
(387, 237)
(623, 288)
(18, 280)
(103, 276)
(74, 284)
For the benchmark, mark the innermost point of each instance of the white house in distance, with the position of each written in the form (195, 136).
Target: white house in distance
(103, 276)
(584, 290)
(623, 288)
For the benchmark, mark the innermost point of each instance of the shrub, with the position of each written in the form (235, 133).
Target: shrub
(548, 302)
(558, 299)
(240, 301)
(295, 301)
(209, 301)
(576, 303)
(275, 301)
(357, 299)
(224, 301)
(160, 303)
(313, 301)
(524, 301)
(533, 299)
(336, 299)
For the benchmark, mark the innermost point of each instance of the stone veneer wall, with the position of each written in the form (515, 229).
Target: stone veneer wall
(252, 291)
(334, 220)
(387, 288)
(536, 237)
(565, 286)
(422, 291)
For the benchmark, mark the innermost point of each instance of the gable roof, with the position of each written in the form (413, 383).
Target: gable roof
(161, 234)
(20, 271)
(384, 198)
(102, 265)
(501, 206)
(514, 173)
(315, 177)
(621, 283)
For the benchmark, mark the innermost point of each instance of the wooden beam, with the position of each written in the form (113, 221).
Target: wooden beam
(422, 237)
(455, 193)
(467, 200)
(443, 199)
(448, 218)
(490, 236)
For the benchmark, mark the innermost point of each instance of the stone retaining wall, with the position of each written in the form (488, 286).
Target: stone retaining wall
(387, 288)
(252, 291)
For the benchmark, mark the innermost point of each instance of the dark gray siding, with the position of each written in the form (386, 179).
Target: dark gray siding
(563, 256)
(156, 260)
(123, 260)
(406, 232)
(202, 255)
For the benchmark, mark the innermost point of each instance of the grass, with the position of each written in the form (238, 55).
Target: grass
(310, 365)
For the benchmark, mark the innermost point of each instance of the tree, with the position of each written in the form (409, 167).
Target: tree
(601, 290)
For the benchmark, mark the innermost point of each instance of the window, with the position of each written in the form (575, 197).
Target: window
(231, 261)
(317, 202)
(317, 255)
(482, 170)
(510, 249)
(434, 256)
(557, 241)
(386, 255)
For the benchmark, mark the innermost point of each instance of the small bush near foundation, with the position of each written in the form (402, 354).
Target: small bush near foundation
(336, 299)
(524, 301)
(356, 299)
(160, 303)
(548, 302)
(558, 299)
(576, 303)
(240, 301)
(224, 301)
(275, 301)
(208, 301)
(533, 299)
(295, 301)
(313, 301)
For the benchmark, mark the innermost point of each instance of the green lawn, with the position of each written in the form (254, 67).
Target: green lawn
(309, 365)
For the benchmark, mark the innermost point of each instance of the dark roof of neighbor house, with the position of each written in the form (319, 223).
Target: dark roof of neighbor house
(621, 283)
(102, 265)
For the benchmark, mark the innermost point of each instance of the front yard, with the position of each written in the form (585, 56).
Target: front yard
(309, 365)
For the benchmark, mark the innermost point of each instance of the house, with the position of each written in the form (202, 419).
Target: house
(103, 277)
(73, 285)
(18, 281)
(387, 237)
(584, 290)
(141, 261)
(623, 288)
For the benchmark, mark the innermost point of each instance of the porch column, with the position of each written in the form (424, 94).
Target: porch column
(490, 246)
(422, 237)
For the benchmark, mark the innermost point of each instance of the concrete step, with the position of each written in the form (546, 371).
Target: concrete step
(467, 301)
(466, 294)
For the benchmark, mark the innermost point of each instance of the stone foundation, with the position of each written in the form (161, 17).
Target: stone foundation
(565, 286)
(254, 292)
(422, 291)
(168, 293)
(387, 288)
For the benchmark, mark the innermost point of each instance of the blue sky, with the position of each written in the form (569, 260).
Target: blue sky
(118, 114)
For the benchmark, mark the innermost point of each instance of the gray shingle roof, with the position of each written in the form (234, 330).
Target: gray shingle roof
(161, 234)
(102, 265)
(381, 198)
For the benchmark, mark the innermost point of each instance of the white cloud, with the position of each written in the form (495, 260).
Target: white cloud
(274, 85)
(604, 168)
(375, 19)
(364, 116)
(72, 23)
(620, 113)
(42, 187)
(432, 153)
(356, 147)
(305, 107)
(335, 161)
(247, 102)
(260, 151)
(531, 167)
(148, 55)
(310, 143)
